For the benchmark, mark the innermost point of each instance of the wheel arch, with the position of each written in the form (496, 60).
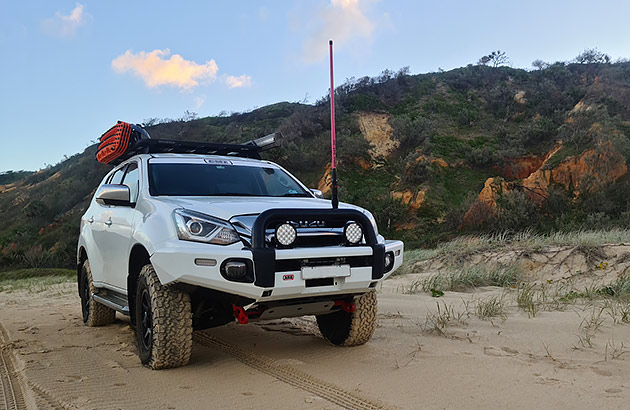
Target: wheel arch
(138, 257)
(81, 258)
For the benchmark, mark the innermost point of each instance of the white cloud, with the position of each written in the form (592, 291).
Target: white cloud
(199, 101)
(66, 25)
(341, 20)
(240, 81)
(156, 70)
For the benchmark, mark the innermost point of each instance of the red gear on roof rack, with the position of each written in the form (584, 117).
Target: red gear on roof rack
(114, 142)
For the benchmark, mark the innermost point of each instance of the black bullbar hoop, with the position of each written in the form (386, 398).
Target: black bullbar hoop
(265, 257)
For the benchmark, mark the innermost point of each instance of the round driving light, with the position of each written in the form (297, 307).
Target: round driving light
(286, 234)
(353, 232)
(194, 227)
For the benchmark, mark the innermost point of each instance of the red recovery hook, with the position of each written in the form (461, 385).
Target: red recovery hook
(345, 306)
(242, 316)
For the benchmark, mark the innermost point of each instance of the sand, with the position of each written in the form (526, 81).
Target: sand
(515, 362)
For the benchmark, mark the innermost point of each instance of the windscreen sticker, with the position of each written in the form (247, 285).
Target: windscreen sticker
(218, 161)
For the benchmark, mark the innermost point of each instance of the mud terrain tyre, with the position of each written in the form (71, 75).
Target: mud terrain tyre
(163, 322)
(351, 328)
(94, 313)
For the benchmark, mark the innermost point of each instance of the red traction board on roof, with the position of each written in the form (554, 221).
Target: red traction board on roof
(114, 142)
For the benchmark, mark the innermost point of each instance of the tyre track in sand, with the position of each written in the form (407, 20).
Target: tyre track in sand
(296, 378)
(12, 390)
(12, 397)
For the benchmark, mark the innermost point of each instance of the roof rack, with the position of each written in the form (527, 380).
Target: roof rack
(250, 149)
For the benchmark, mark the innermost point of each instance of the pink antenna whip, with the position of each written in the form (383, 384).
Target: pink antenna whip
(335, 195)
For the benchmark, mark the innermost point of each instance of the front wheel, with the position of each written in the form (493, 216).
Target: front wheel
(163, 322)
(351, 328)
(94, 314)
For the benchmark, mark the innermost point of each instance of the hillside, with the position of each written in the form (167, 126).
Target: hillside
(475, 149)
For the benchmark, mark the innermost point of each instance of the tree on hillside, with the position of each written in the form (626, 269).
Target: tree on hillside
(592, 56)
(539, 64)
(496, 59)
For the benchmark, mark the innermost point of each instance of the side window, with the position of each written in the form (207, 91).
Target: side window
(117, 176)
(131, 180)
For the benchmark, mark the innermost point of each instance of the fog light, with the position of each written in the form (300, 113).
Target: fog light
(388, 262)
(286, 234)
(235, 270)
(238, 270)
(353, 233)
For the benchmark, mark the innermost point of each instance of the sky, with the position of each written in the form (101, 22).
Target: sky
(70, 69)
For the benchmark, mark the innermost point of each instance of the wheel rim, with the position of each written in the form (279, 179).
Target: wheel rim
(146, 321)
(85, 298)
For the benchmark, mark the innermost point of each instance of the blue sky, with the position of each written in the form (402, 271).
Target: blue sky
(70, 69)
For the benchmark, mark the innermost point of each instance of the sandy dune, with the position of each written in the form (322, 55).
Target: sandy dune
(518, 362)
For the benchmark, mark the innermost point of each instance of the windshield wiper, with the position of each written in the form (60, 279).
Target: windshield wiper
(301, 194)
(233, 194)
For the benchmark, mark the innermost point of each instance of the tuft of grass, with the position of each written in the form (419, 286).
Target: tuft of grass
(492, 307)
(34, 280)
(472, 277)
(526, 299)
(614, 351)
(446, 315)
(619, 288)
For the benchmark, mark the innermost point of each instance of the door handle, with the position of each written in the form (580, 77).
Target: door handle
(91, 219)
(108, 222)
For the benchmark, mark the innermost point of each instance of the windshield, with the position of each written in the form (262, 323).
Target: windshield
(225, 179)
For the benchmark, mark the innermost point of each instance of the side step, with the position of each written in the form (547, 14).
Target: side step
(113, 300)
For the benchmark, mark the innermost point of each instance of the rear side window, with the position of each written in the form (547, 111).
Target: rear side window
(131, 180)
(117, 177)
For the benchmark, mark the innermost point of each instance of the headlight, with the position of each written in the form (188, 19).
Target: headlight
(198, 227)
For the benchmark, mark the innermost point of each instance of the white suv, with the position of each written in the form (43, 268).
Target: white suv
(192, 241)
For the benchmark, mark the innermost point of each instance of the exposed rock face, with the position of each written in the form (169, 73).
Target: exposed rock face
(413, 199)
(523, 167)
(325, 181)
(520, 168)
(591, 170)
(377, 131)
(519, 97)
(440, 162)
(588, 172)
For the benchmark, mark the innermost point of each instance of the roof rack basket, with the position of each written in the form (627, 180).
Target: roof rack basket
(151, 146)
(125, 140)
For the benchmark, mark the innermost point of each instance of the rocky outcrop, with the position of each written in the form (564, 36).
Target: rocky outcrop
(326, 180)
(410, 198)
(377, 131)
(592, 170)
(523, 167)
(324, 183)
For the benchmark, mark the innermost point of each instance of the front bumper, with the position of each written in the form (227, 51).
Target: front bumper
(175, 262)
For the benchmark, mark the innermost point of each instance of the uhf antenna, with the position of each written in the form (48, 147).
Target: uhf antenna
(335, 195)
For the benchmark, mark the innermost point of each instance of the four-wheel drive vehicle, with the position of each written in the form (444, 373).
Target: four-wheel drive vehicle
(181, 241)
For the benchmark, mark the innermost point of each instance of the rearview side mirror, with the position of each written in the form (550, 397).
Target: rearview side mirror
(318, 194)
(114, 194)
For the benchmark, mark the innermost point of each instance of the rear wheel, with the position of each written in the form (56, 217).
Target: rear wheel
(94, 314)
(351, 328)
(163, 322)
